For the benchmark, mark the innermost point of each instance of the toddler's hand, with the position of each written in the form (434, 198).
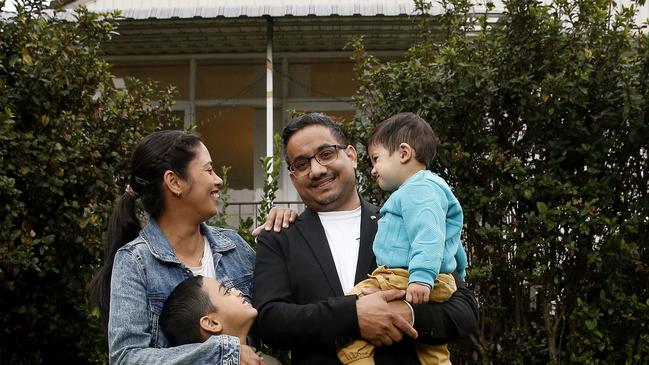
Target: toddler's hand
(417, 293)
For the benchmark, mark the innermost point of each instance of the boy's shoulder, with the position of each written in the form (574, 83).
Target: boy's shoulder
(422, 182)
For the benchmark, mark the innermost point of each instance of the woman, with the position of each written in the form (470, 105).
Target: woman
(172, 174)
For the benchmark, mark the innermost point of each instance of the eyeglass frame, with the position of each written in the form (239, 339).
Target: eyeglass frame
(337, 147)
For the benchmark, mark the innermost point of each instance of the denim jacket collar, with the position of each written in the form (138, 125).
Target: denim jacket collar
(161, 249)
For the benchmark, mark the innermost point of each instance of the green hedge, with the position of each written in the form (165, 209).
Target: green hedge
(65, 139)
(542, 121)
(543, 126)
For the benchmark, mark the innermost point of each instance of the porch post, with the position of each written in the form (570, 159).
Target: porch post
(192, 94)
(269, 87)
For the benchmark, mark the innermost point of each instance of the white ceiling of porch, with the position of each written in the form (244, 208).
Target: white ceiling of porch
(165, 9)
(177, 27)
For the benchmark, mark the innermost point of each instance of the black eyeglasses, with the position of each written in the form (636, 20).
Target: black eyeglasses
(327, 154)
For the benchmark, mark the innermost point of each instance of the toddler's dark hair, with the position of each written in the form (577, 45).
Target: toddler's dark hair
(406, 128)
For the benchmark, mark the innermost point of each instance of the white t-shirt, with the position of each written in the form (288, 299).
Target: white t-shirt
(343, 230)
(207, 263)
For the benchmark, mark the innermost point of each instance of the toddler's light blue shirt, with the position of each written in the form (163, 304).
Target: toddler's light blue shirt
(420, 229)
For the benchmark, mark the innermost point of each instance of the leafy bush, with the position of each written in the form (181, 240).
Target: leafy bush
(542, 120)
(66, 136)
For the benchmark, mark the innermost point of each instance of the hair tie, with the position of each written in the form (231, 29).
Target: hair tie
(141, 181)
(131, 192)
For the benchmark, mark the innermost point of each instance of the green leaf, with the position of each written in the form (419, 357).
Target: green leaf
(542, 207)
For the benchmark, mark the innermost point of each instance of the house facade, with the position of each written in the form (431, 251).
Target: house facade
(240, 66)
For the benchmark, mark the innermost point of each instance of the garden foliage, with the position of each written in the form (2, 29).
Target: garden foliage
(66, 136)
(542, 119)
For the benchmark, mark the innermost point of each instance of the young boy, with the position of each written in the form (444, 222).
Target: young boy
(200, 307)
(417, 244)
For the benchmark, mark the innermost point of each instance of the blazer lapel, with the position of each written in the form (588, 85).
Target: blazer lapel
(366, 260)
(316, 239)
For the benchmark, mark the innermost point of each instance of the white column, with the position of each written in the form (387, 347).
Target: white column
(287, 191)
(269, 87)
(192, 94)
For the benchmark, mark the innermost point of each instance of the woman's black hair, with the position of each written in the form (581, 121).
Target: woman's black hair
(154, 155)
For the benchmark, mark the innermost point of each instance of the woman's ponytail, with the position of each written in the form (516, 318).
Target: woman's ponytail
(123, 227)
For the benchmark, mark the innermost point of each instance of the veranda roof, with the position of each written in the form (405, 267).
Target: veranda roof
(240, 27)
(167, 9)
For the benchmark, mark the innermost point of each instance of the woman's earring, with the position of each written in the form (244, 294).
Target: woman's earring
(177, 194)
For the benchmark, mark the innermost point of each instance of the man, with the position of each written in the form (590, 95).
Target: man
(302, 272)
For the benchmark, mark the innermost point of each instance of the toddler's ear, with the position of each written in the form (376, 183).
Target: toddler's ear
(406, 152)
(210, 324)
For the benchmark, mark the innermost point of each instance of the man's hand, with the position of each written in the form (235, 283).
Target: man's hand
(378, 323)
(276, 219)
(399, 307)
(417, 293)
(248, 356)
(402, 308)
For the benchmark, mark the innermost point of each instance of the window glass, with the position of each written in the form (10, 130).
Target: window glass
(228, 135)
(172, 75)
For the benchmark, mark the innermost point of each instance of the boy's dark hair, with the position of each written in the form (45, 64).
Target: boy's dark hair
(306, 120)
(406, 128)
(181, 313)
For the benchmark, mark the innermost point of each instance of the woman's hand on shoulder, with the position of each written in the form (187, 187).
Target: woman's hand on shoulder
(276, 219)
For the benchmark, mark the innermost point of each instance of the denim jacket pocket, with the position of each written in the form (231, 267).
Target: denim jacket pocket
(156, 302)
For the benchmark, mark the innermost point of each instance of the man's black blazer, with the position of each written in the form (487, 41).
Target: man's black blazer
(302, 306)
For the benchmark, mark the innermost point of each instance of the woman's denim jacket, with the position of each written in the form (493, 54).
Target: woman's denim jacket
(145, 271)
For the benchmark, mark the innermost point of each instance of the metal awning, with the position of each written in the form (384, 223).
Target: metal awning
(173, 27)
(248, 35)
(184, 9)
